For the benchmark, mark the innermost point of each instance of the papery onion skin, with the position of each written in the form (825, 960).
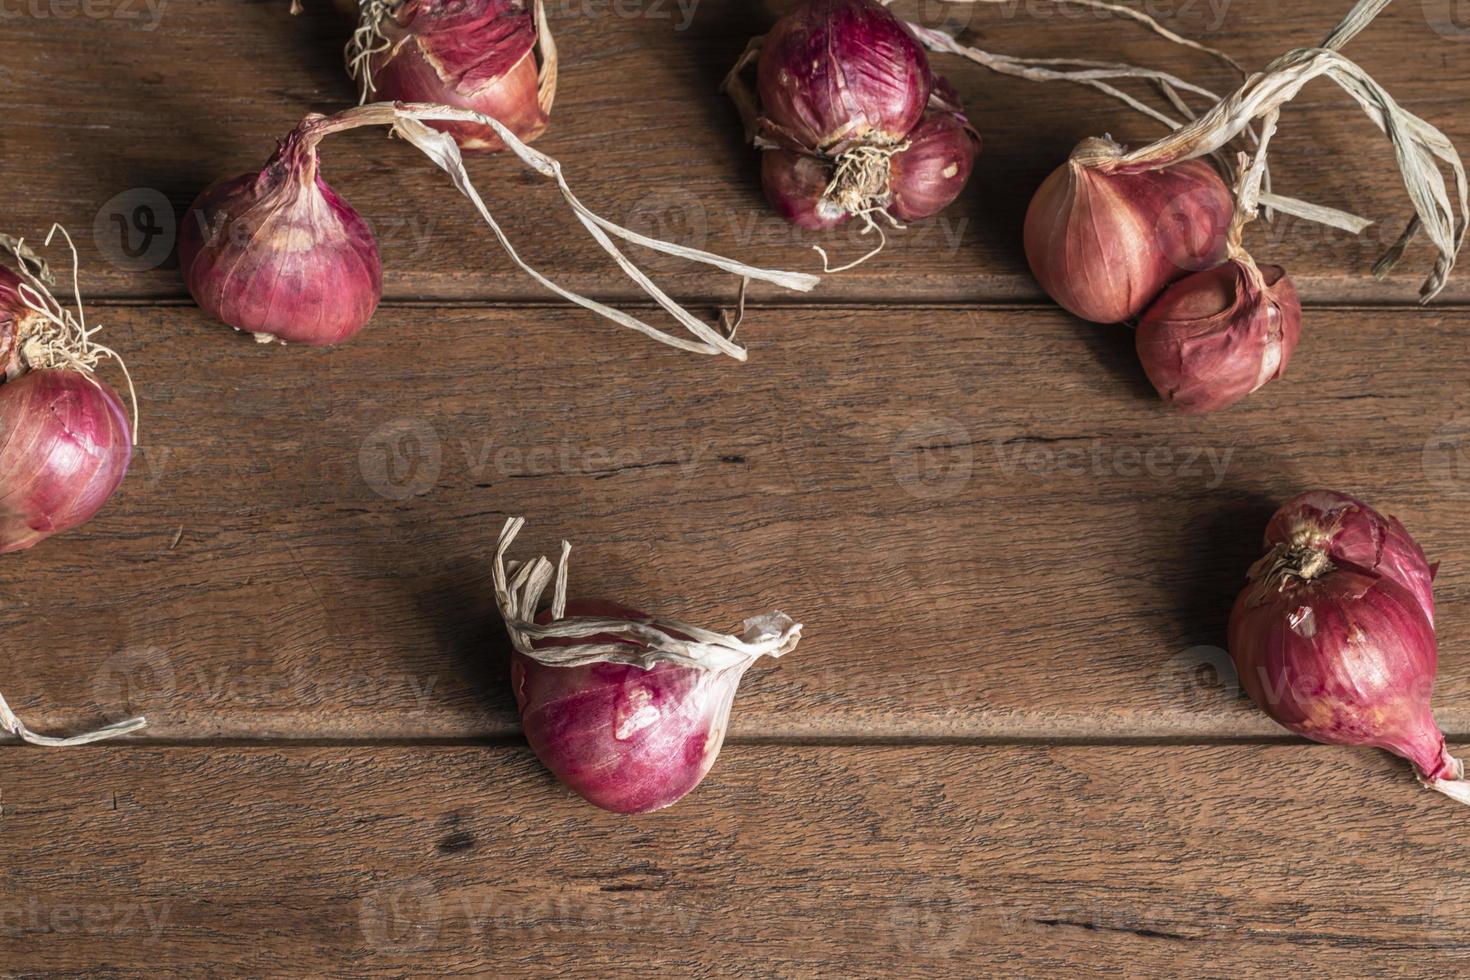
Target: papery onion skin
(1104, 243)
(14, 315)
(836, 72)
(927, 177)
(278, 254)
(474, 54)
(1216, 336)
(625, 739)
(1351, 532)
(795, 184)
(65, 446)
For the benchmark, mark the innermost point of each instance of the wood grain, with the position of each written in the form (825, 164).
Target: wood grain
(812, 861)
(988, 523)
(109, 114)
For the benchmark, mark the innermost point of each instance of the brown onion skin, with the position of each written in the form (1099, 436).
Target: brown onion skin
(1351, 532)
(65, 446)
(473, 54)
(927, 177)
(794, 184)
(1215, 336)
(1344, 656)
(1103, 244)
(278, 254)
(573, 717)
(836, 72)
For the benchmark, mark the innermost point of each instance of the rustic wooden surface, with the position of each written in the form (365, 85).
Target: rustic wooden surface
(824, 861)
(648, 141)
(1010, 742)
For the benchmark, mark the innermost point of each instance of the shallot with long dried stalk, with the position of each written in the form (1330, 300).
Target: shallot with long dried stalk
(280, 255)
(628, 710)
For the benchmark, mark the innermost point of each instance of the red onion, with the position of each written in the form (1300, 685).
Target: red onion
(1103, 241)
(279, 255)
(851, 119)
(65, 445)
(1341, 652)
(475, 54)
(1214, 337)
(65, 437)
(1351, 532)
(629, 711)
(838, 73)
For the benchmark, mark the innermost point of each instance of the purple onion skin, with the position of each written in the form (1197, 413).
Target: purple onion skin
(474, 54)
(794, 184)
(836, 72)
(13, 315)
(625, 739)
(927, 177)
(1352, 533)
(1104, 244)
(278, 254)
(65, 445)
(1347, 658)
(1216, 336)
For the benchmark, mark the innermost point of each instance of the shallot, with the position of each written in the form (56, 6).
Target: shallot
(1334, 641)
(628, 710)
(65, 437)
(280, 255)
(851, 119)
(475, 54)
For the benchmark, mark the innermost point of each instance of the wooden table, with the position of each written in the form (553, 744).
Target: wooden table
(1009, 743)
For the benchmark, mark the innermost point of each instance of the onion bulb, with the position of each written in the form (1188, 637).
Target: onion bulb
(627, 710)
(475, 54)
(279, 255)
(1215, 336)
(1340, 651)
(1104, 240)
(851, 119)
(65, 437)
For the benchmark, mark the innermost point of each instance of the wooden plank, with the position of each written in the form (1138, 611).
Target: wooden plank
(109, 114)
(827, 861)
(986, 520)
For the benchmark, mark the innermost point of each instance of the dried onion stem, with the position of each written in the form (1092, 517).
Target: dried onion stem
(645, 642)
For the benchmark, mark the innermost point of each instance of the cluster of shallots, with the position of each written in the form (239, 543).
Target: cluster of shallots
(1333, 636)
(627, 709)
(852, 121)
(1155, 234)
